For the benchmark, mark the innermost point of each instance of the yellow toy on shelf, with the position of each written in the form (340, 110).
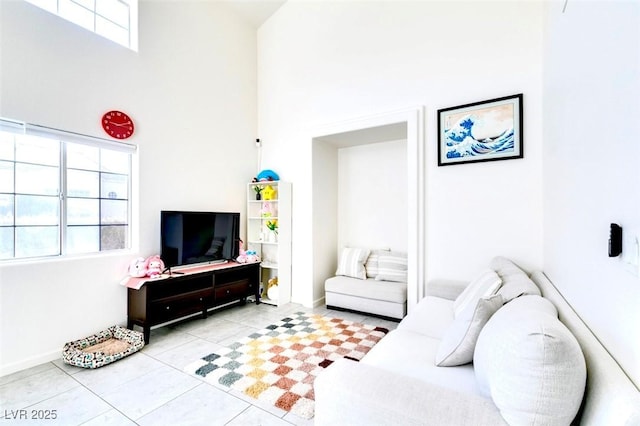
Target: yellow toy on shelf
(269, 193)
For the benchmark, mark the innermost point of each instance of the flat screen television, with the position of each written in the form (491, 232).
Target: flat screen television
(191, 238)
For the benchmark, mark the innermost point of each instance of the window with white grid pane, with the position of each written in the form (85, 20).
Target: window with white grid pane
(62, 193)
(116, 20)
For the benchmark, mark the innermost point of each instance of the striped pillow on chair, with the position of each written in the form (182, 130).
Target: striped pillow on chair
(351, 262)
(392, 266)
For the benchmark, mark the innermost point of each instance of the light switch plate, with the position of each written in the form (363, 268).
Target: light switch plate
(631, 253)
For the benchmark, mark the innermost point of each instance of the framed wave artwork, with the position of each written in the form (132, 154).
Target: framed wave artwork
(482, 131)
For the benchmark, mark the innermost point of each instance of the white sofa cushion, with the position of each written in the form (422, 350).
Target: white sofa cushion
(515, 281)
(484, 285)
(392, 266)
(351, 262)
(354, 393)
(367, 289)
(432, 316)
(411, 354)
(504, 266)
(530, 364)
(516, 286)
(459, 342)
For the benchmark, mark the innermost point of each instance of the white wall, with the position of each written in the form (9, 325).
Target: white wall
(325, 209)
(372, 196)
(592, 164)
(191, 91)
(327, 62)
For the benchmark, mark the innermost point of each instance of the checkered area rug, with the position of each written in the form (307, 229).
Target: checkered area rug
(279, 363)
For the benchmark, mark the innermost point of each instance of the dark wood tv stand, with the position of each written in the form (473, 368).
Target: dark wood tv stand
(189, 292)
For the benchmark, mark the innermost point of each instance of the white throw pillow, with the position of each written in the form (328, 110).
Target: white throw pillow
(486, 284)
(530, 364)
(392, 266)
(459, 341)
(351, 263)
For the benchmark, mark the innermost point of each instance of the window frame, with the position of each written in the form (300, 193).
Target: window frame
(64, 139)
(57, 7)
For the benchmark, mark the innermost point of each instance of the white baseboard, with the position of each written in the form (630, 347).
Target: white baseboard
(5, 370)
(318, 302)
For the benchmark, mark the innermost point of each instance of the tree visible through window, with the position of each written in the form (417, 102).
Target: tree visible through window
(62, 197)
(116, 20)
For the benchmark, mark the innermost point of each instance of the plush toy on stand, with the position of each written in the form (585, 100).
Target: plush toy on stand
(154, 266)
(137, 268)
(249, 256)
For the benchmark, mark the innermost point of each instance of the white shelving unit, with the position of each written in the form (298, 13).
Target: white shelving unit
(274, 250)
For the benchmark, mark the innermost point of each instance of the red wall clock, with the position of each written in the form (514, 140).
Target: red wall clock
(117, 124)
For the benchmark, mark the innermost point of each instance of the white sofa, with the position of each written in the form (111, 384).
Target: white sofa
(367, 281)
(381, 298)
(529, 367)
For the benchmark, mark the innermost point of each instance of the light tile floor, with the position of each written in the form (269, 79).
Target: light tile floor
(150, 387)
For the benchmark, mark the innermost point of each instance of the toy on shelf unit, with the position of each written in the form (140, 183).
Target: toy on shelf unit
(267, 175)
(272, 288)
(267, 210)
(269, 193)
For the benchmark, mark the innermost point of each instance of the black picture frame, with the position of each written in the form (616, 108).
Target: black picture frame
(489, 130)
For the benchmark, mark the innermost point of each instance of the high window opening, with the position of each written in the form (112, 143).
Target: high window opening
(116, 20)
(62, 193)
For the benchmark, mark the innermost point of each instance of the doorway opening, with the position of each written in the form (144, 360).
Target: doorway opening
(338, 172)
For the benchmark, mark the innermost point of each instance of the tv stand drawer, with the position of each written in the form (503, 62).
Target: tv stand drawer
(181, 305)
(233, 290)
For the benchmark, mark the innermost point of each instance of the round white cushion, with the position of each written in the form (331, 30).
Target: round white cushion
(530, 364)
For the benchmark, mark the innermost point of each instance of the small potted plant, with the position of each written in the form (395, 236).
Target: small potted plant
(258, 189)
(272, 225)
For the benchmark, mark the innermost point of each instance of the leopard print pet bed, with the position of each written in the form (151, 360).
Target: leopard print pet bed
(103, 348)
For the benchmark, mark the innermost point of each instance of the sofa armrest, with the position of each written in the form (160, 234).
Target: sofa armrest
(353, 393)
(446, 289)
